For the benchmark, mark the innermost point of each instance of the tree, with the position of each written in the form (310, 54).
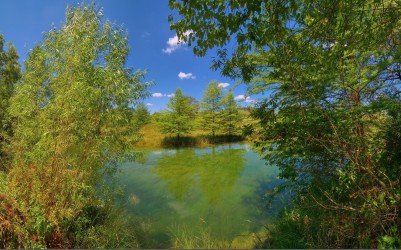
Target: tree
(230, 114)
(332, 72)
(9, 75)
(141, 115)
(211, 107)
(178, 119)
(72, 111)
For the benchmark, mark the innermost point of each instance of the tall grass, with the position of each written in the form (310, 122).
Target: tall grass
(183, 237)
(118, 230)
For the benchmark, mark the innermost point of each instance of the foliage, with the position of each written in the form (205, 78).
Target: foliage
(119, 230)
(211, 107)
(9, 75)
(141, 115)
(330, 121)
(230, 116)
(178, 120)
(72, 111)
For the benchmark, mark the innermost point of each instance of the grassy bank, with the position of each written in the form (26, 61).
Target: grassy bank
(152, 138)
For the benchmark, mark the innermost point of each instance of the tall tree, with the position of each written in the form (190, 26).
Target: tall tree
(230, 117)
(72, 112)
(178, 120)
(211, 107)
(9, 75)
(332, 71)
(141, 115)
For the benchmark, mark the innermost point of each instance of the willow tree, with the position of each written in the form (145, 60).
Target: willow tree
(330, 71)
(72, 111)
(9, 75)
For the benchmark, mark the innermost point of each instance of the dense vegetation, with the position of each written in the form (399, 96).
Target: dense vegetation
(9, 75)
(331, 120)
(71, 116)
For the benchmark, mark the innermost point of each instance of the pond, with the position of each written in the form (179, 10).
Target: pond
(217, 190)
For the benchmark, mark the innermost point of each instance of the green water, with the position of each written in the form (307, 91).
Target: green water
(219, 189)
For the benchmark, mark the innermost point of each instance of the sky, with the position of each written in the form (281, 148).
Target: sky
(154, 48)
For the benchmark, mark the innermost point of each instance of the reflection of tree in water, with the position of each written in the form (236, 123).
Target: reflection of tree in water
(178, 171)
(217, 171)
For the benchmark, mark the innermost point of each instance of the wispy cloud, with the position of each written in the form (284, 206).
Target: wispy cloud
(183, 75)
(173, 43)
(149, 104)
(247, 99)
(145, 34)
(239, 97)
(157, 95)
(223, 85)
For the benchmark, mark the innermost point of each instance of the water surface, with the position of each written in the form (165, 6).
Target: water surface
(220, 189)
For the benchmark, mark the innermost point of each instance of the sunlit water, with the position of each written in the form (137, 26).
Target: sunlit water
(220, 189)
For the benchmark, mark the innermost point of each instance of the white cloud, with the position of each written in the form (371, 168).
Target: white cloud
(249, 100)
(243, 98)
(239, 97)
(158, 95)
(183, 75)
(223, 84)
(149, 104)
(174, 43)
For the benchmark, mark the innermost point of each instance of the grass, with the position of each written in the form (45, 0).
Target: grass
(152, 138)
(201, 238)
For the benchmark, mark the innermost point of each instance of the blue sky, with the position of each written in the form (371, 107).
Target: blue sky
(153, 45)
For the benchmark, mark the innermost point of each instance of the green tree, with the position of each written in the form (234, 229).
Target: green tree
(178, 120)
(72, 111)
(230, 114)
(211, 107)
(141, 115)
(9, 75)
(331, 69)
